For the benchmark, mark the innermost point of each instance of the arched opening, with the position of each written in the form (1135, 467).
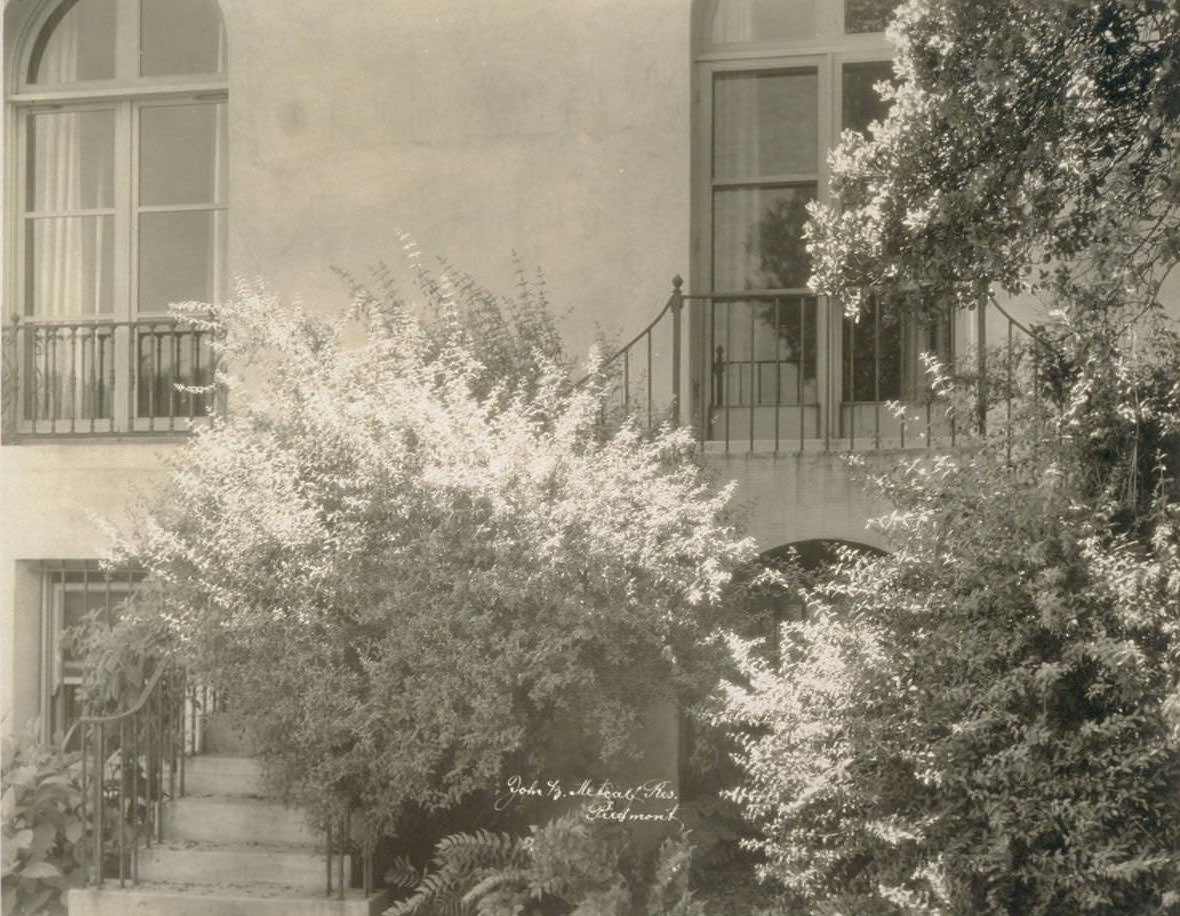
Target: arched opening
(801, 563)
(705, 769)
(92, 40)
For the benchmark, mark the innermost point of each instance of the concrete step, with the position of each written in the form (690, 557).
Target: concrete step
(226, 733)
(222, 774)
(194, 900)
(298, 868)
(237, 821)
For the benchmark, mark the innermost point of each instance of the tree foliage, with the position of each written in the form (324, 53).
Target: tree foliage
(977, 722)
(986, 720)
(1031, 144)
(410, 574)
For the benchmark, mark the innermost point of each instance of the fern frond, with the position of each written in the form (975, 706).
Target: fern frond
(494, 881)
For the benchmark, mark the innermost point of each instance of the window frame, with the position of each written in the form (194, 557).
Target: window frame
(829, 51)
(709, 185)
(59, 679)
(127, 94)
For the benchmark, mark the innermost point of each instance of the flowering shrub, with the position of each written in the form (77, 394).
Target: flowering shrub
(408, 575)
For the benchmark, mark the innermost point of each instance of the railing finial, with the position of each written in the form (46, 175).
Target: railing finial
(677, 305)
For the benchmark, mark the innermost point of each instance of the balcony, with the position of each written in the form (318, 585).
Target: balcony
(94, 377)
(781, 372)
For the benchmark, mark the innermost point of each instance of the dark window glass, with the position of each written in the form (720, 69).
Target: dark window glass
(742, 21)
(765, 124)
(178, 254)
(862, 104)
(868, 15)
(182, 153)
(882, 358)
(758, 238)
(763, 352)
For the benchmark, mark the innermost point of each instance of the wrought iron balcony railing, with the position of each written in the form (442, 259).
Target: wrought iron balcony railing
(98, 377)
(778, 371)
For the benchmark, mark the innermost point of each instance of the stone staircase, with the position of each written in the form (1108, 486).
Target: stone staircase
(228, 850)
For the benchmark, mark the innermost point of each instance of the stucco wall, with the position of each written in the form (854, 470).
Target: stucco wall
(559, 131)
(788, 498)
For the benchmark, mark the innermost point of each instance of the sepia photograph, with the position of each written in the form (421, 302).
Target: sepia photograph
(590, 458)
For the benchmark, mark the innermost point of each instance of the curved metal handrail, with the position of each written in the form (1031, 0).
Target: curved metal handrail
(103, 720)
(677, 297)
(638, 337)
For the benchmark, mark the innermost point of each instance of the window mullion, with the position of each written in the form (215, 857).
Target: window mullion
(20, 261)
(125, 211)
(127, 40)
(124, 261)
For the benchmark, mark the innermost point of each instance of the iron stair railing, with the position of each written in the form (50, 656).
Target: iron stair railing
(133, 762)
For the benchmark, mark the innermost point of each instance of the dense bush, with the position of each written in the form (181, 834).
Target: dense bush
(413, 577)
(985, 721)
(43, 834)
(976, 723)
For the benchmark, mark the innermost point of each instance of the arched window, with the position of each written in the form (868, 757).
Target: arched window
(777, 81)
(121, 136)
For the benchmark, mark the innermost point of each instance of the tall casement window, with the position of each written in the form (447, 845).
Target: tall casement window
(121, 149)
(776, 83)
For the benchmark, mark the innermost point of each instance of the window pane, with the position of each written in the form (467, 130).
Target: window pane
(758, 238)
(883, 353)
(868, 15)
(873, 356)
(738, 21)
(169, 356)
(179, 255)
(79, 594)
(763, 352)
(862, 103)
(77, 43)
(765, 124)
(71, 161)
(181, 36)
(182, 154)
(70, 266)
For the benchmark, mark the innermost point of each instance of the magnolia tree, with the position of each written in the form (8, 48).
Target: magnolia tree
(985, 721)
(414, 576)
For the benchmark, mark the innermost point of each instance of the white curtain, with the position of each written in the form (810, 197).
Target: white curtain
(72, 155)
(742, 21)
(70, 273)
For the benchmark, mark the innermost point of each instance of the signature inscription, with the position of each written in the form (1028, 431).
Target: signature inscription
(654, 800)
